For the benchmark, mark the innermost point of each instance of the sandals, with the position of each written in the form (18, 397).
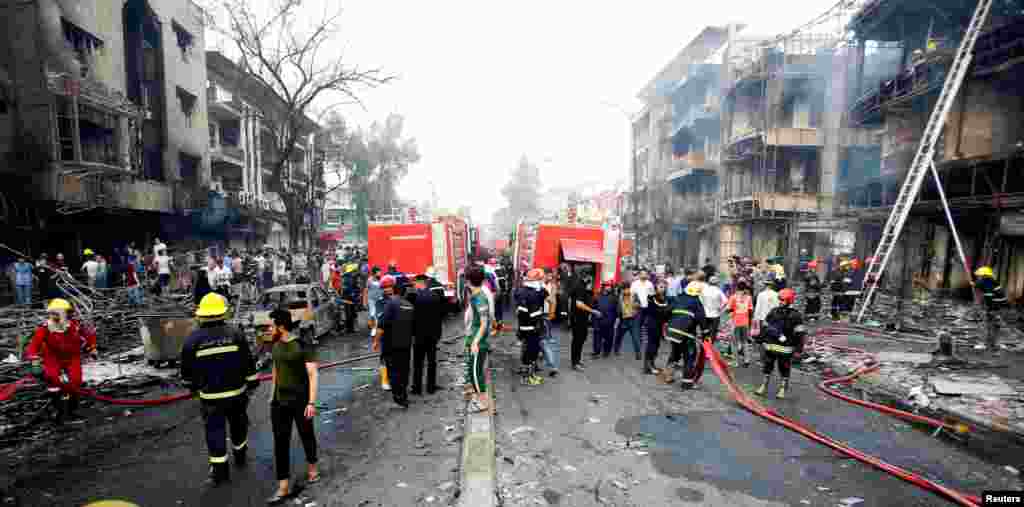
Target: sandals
(279, 499)
(313, 480)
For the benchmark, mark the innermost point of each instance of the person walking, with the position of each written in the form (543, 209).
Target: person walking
(583, 309)
(103, 274)
(767, 301)
(478, 329)
(91, 269)
(23, 281)
(427, 333)
(372, 295)
(293, 402)
(394, 340)
(162, 263)
(713, 300)
(641, 288)
(551, 345)
(739, 304)
(604, 326)
(627, 314)
(135, 297)
(659, 313)
(218, 368)
(529, 302)
(683, 332)
(783, 337)
(350, 296)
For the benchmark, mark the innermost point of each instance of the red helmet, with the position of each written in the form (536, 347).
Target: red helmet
(787, 296)
(535, 275)
(812, 265)
(387, 282)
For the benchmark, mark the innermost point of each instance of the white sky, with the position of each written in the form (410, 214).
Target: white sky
(482, 83)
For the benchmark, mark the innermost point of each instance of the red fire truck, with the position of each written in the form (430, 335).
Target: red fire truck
(443, 244)
(595, 249)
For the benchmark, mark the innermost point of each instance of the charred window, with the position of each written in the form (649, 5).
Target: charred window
(188, 104)
(85, 45)
(98, 133)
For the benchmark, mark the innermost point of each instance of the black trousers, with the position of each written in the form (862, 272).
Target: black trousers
(397, 361)
(282, 417)
(676, 353)
(579, 337)
(711, 327)
(218, 416)
(426, 349)
(531, 347)
(785, 362)
(653, 340)
(350, 318)
(813, 305)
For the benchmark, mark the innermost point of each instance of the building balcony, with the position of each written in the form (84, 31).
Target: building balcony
(686, 165)
(791, 136)
(774, 203)
(82, 192)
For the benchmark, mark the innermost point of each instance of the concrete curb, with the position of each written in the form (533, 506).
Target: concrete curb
(478, 473)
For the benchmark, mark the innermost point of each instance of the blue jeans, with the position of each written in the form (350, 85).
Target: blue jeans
(23, 294)
(551, 346)
(638, 325)
(627, 326)
(135, 295)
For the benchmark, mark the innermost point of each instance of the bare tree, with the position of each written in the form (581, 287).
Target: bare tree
(289, 51)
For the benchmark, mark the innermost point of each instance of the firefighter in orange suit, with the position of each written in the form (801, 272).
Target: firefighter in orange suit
(60, 341)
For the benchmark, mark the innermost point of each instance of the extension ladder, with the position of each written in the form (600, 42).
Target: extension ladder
(923, 159)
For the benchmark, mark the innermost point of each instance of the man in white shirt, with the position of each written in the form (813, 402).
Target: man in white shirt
(91, 268)
(642, 289)
(712, 299)
(280, 268)
(325, 273)
(767, 301)
(163, 270)
(158, 246)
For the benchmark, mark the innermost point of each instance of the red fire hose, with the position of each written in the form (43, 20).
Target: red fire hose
(720, 369)
(182, 396)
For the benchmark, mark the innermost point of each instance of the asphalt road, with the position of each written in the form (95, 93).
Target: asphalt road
(371, 451)
(574, 442)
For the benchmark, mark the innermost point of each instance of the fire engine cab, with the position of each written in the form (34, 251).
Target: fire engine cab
(443, 243)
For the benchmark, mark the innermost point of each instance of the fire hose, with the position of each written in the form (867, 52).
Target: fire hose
(721, 370)
(181, 396)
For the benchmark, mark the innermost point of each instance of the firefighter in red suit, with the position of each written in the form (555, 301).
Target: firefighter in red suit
(58, 344)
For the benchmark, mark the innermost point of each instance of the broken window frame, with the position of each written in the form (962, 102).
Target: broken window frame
(186, 41)
(83, 43)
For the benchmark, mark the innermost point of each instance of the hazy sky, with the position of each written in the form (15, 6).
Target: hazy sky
(481, 83)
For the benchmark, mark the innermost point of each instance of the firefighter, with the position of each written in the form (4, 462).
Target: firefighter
(684, 333)
(782, 337)
(218, 368)
(438, 290)
(394, 339)
(399, 277)
(350, 296)
(604, 326)
(60, 341)
(529, 301)
(658, 312)
(839, 282)
(427, 332)
(995, 299)
(812, 286)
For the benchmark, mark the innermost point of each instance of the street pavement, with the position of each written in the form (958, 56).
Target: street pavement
(574, 442)
(372, 453)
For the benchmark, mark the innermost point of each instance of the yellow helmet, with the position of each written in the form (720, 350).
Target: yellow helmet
(694, 289)
(212, 305)
(350, 268)
(88, 251)
(58, 304)
(984, 271)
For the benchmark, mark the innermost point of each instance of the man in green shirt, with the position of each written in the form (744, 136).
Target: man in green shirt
(478, 329)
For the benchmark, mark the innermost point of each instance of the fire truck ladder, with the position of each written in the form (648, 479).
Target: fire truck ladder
(924, 160)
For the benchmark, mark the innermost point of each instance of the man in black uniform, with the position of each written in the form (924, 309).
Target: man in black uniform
(582, 307)
(812, 286)
(394, 335)
(438, 290)
(218, 368)
(782, 336)
(529, 301)
(427, 332)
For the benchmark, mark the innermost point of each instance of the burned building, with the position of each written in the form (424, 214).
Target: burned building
(901, 55)
(104, 116)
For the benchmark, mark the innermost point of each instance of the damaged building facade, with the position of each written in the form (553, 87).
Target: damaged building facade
(815, 136)
(106, 119)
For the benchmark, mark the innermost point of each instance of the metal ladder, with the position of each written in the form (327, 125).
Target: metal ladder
(923, 159)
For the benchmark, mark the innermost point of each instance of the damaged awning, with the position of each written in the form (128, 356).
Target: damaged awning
(576, 250)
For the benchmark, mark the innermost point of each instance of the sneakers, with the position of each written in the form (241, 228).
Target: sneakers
(578, 367)
(535, 380)
(764, 386)
(553, 374)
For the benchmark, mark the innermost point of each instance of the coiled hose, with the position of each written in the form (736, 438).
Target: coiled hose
(722, 371)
